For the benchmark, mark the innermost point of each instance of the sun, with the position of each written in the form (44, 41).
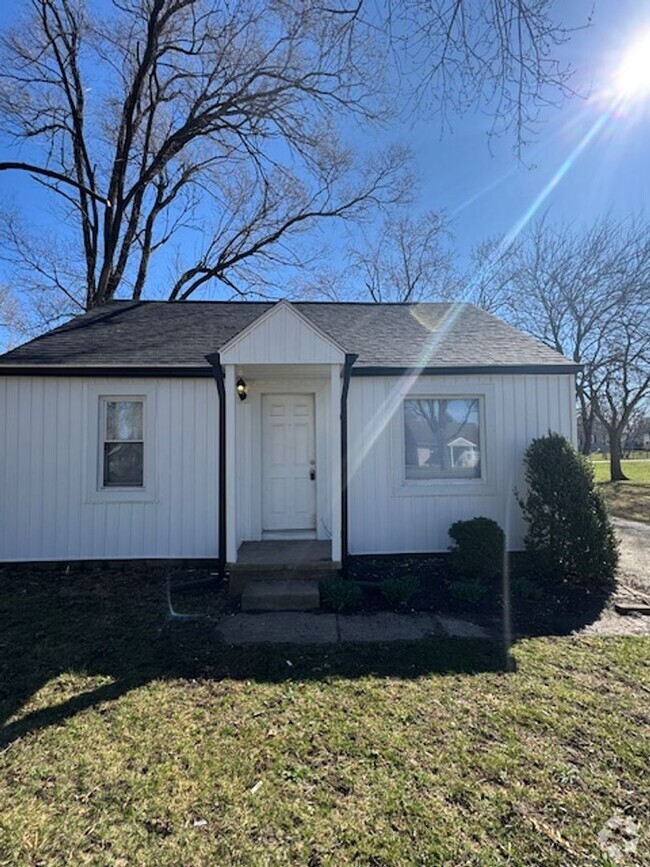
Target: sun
(633, 76)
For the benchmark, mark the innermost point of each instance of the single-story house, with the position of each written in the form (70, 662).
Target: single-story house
(182, 430)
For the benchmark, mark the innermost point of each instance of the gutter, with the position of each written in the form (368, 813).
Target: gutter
(215, 361)
(195, 372)
(347, 372)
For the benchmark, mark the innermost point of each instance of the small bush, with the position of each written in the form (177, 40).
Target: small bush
(475, 562)
(478, 550)
(339, 594)
(470, 591)
(399, 591)
(569, 532)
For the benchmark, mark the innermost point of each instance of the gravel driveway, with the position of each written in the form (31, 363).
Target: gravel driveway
(634, 573)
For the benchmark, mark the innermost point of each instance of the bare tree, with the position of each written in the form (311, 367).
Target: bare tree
(637, 430)
(212, 128)
(212, 124)
(499, 53)
(409, 259)
(622, 384)
(586, 294)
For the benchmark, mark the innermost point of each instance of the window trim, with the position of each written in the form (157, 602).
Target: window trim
(481, 485)
(104, 400)
(97, 397)
(481, 425)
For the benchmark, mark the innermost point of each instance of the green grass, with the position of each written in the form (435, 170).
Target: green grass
(629, 499)
(635, 470)
(133, 741)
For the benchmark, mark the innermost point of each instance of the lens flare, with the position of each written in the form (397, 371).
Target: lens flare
(633, 76)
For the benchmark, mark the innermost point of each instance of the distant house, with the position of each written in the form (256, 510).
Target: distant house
(464, 453)
(181, 430)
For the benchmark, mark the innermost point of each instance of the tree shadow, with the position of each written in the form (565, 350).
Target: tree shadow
(115, 627)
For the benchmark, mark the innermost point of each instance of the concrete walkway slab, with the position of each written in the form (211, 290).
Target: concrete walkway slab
(456, 628)
(279, 628)
(294, 627)
(387, 626)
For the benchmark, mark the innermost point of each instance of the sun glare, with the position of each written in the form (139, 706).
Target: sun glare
(633, 77)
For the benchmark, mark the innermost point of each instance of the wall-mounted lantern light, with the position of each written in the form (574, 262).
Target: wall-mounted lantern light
(241, 388)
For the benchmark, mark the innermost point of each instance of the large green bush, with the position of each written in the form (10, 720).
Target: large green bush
(476, 562)
(569, 532)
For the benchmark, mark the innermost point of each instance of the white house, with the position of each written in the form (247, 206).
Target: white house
(181, 430)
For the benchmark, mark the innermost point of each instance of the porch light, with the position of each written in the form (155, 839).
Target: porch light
(241, 388)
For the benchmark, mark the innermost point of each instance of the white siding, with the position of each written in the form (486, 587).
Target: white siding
(386, 517)
(281, 337)
(48, 508)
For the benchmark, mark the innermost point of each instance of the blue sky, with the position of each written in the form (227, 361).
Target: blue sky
(588, 161)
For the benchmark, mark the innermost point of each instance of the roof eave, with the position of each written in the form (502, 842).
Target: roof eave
(196, 371)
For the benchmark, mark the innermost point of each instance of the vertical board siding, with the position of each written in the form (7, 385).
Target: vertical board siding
(282, 337)
(385, 518)
(46, 512)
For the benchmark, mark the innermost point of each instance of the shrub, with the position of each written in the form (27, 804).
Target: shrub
(569, 532)
(475, 561)
(400, 590)
(470, 591)
(339, 594)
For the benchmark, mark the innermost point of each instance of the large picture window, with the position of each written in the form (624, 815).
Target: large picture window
(122, 442)
(442, 438)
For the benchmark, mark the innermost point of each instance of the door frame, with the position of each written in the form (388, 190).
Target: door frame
(319, 389)
(296, 532)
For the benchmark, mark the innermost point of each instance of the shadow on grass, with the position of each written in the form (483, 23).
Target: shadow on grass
(533, 611)
(116, 625)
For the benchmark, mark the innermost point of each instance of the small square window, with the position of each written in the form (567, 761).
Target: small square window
(442, 438)
(123, 443)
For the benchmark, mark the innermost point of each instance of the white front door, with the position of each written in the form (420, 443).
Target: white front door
(288, 463)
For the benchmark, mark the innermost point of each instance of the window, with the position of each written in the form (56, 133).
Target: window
(122, 442)
(442, 438)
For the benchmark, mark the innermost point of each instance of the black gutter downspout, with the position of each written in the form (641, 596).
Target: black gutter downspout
(347, 370)
(219, 377)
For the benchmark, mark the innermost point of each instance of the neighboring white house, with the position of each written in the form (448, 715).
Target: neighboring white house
(180, 430)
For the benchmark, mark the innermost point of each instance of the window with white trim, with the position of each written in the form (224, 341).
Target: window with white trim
(442, 438)
(122, 442)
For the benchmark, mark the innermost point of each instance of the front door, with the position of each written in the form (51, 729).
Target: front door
(288, 463)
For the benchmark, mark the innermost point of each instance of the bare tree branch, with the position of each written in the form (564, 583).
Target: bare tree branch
(57, 176)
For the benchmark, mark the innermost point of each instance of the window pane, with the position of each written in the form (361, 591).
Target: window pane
(123, 465)
(124, 420)
(442, 438)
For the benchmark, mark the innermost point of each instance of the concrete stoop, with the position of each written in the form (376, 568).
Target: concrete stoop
(280, 595)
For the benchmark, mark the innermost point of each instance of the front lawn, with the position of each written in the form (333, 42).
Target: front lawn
(630, 500)
(130, 740)
(635, 470)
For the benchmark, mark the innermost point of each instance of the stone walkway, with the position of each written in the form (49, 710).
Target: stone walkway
(304, 628)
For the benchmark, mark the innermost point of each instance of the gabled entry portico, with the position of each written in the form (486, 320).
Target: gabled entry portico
(283, 441)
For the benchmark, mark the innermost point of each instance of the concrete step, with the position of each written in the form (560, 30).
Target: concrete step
(238, 581)
(280, 595)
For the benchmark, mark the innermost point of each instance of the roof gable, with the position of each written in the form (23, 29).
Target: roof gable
(281, 335)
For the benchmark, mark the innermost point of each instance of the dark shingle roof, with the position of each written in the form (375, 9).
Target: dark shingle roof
(152, 334)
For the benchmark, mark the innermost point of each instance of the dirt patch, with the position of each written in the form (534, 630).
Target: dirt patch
(633, 578)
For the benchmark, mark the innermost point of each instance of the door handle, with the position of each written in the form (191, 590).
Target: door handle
(312, 474)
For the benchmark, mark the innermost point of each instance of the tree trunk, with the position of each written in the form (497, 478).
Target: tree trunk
(586, 426)
(586, 433)
(616, 472)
